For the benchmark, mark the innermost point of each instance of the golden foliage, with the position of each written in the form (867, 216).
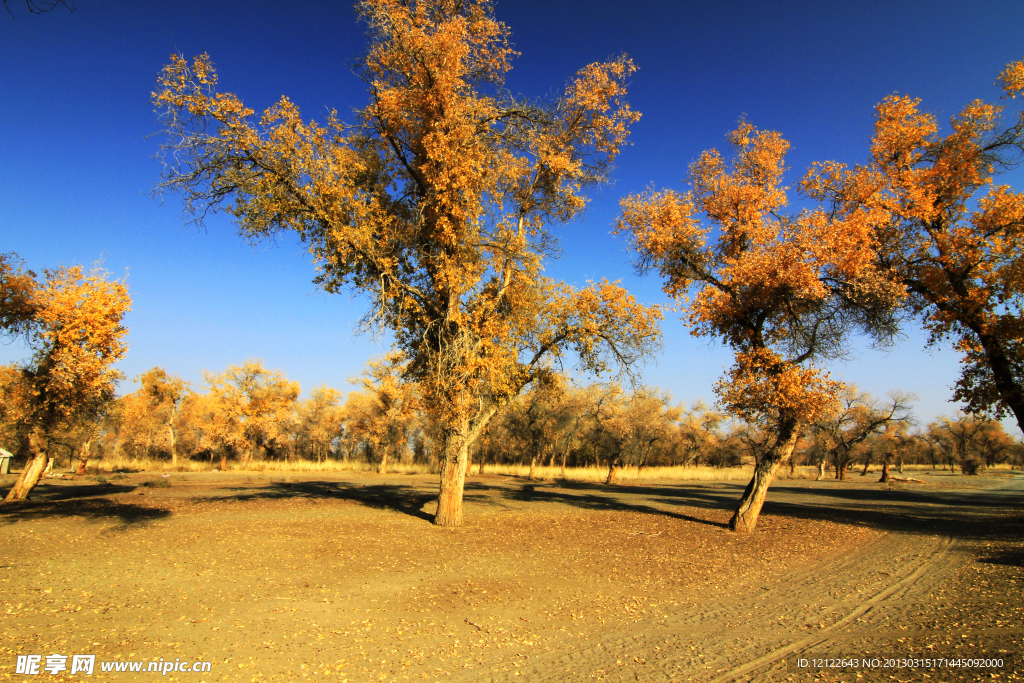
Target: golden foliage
(762, 384)
(947, 232)
(71, 321)
(781, 290)
(247, 407)
(435, 203)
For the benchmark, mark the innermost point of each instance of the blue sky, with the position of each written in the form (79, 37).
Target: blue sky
(76, 167)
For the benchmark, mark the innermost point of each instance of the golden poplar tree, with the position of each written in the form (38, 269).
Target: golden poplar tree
(71, 321)
(434, 203)
(782, 291)
(948, 232)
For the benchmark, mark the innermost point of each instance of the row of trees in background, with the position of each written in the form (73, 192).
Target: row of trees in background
(249, 412)
(437, 202)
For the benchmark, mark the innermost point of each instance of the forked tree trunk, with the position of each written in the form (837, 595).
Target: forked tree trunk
(454, 455)
(885, 472)
(33, 468)
(83, 458)
(745, 518)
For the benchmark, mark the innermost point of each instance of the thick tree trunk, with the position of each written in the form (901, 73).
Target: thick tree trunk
(533, 468)
(33, 468)
(745, 518)
(383, 467)
(867, 467)
(454, 454)
(885, 473)
(821, 470)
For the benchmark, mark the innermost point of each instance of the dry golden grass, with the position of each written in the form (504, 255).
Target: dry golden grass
(698, 473)
(590, 474)
(134, 464)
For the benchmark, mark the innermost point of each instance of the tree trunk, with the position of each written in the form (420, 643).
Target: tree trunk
(83, 458)
(383, 467)
(745, 518)
(614, 465)
(900, 461)
(170, 431)
(533, 468)
(885, 472)
(821, 470)
(867, 467)
(224, 460)
(33, 468)
(454, 455)
(564, 454)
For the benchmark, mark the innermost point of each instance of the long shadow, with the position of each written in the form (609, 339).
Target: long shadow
(963, 514)
(58, 493)
(599, 502)
(398, 497)
(95, 509)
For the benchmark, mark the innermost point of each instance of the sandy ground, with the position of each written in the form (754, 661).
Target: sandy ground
(341, 577)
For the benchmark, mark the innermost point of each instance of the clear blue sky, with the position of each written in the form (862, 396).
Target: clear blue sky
(76, 167)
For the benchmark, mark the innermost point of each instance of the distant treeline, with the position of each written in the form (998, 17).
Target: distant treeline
(249, 412)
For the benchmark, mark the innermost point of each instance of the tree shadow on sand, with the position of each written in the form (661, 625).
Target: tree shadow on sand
(92, 509)
(962, 513)
(604, 498)
(398, 497)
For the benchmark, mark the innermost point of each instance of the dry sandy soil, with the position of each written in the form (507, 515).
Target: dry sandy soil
(341, 577)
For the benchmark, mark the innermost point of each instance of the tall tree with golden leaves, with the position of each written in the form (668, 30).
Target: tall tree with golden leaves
(72, 323)
(782, 291)
(950, 234)
(434, 203)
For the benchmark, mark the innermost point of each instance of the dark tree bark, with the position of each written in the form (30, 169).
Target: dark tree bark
(745, 518)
